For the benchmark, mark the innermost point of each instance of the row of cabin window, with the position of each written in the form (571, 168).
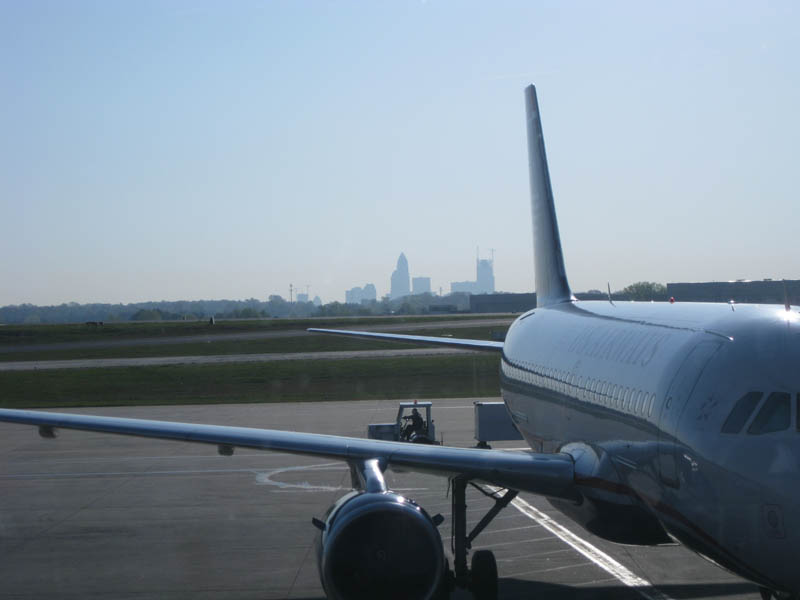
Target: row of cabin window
(594, 391)
(775, 413)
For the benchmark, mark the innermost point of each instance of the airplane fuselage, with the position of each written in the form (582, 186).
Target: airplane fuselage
(642, 395)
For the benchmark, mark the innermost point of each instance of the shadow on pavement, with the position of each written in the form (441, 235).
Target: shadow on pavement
(525, 589)
(520, 589)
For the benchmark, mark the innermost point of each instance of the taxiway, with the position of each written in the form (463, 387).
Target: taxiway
(90, 515)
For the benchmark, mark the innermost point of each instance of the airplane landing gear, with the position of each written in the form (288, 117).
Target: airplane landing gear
(481, 579)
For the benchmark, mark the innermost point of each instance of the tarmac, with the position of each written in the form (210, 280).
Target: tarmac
(197, 359)
(97, 516)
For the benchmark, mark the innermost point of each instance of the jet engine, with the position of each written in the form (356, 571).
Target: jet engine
(380, 545)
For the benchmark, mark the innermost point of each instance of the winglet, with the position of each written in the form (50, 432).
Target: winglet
(610, 299)
(551, 276)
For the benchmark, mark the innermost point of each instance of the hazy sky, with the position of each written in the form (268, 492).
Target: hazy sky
(206, 150)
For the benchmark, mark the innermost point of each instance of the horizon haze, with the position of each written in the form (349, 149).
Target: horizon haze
(195, 150)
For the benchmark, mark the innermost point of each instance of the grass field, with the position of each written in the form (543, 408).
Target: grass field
(11, 335)
(297, 343)
(284, 381)
(289, 381)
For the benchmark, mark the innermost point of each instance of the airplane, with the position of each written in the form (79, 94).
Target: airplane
(647, 423)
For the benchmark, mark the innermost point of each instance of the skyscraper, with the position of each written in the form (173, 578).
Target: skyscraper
(353, 295)
(421, 285)
(359, 295)
(369, 293)
(485, 277)
(400, 279)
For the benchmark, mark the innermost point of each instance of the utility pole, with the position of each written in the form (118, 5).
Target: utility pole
(290, 293)
(492, 249)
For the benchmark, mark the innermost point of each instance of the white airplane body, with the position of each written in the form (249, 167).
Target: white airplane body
(647, 422)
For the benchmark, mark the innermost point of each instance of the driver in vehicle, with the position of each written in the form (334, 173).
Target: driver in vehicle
(416, 424)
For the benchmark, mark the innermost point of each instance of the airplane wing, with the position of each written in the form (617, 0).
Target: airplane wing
(483, 345)
(546, 474)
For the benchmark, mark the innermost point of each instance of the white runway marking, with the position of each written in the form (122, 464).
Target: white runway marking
(510, 529)
(261, 477)
(78, 474)
(536, 555)
(265, 478)
(550, 569)
(520, 542)
(176, 457)
(594, 554)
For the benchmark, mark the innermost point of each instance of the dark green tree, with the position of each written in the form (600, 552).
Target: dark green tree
(645, 291)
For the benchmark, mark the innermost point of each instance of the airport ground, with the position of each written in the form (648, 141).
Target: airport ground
(91, 515)
(279, 342)
(98, 516)
(259, 364)
(345, 377)
(81, 336)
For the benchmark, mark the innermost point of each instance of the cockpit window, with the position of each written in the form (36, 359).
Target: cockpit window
(741, 412)
(775, 415)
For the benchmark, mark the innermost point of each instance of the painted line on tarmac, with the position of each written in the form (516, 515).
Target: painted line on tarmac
(262, 477)
(594, 554)
(77, 474)
(265, 478)
(176, 457)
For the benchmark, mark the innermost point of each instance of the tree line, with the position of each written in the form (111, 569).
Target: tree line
(274, 307)
(74, 312)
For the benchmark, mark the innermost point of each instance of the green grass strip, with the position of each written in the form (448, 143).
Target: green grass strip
(74, 332)
(292, 344)
(285, 381)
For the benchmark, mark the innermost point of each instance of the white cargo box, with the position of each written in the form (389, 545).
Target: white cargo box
(493, 423)
(381, 431)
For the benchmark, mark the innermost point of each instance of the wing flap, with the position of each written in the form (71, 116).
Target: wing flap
(482, 345)
(545, 474)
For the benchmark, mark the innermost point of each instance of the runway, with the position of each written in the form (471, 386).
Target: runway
(153, 361)
(90, 516)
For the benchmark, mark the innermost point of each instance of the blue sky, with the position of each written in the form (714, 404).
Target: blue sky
(188, 150)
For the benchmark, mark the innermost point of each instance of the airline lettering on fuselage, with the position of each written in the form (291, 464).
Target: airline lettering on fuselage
(636, 344)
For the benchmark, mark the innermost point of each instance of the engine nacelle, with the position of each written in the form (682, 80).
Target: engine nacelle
(379, 545)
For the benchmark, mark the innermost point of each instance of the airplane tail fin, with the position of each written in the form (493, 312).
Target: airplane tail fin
(551, 277)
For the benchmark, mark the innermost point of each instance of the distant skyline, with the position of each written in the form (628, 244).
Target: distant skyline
(199, 150)
(401, 279)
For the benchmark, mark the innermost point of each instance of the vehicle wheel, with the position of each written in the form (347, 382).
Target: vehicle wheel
(483, 580)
